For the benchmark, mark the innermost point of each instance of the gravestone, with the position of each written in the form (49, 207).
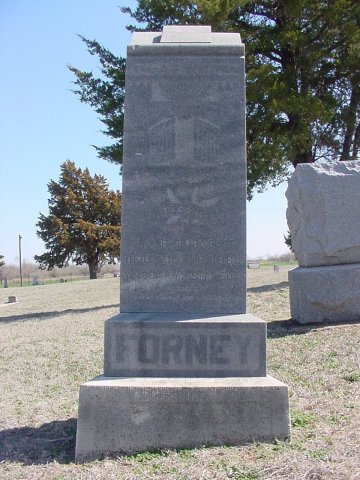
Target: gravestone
(324, 221)
(323, 214)
(184, 364)
(253, 266)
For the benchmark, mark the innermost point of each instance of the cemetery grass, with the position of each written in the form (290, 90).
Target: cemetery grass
(52, 341)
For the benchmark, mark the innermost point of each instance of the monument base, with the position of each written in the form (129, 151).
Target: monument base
(325, 294)
(129, 415)
(184, 345)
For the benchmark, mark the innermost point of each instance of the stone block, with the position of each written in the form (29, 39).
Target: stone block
(123, 416)
(186, 34)
(331, 293)
(183, 241)
(190, 40)
(323, 213)
(180, 345)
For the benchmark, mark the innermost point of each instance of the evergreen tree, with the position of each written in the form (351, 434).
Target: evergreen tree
(106, 95)
(83, 225)
(303, 77)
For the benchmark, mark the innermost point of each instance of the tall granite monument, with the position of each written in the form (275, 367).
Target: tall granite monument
(185, 365)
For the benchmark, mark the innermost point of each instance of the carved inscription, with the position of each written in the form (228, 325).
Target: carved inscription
(190, 243)
(202, 347)
(190, 298)
(184, 134)
(179, 275)
(137, 259)
(178, 350)
(155, 265)
(183, 248)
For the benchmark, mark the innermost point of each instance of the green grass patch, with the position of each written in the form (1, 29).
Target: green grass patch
(185, 453)
(236, 472)
(301, 419)
(351, 377)
(269, 451)
(337, 419)
(147, 456)
(319, 454)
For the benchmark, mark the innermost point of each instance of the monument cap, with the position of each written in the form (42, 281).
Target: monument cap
(186, 40)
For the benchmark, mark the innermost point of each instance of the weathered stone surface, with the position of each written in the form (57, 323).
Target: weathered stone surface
(190, 41)
(186, 34)
(324, 213)
(331, 293)
(183, 244)
(140, 414)
(180, 345)
(183, 263)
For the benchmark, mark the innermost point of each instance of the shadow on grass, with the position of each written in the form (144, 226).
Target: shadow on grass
(284, 328)
(268, 288)
(56, 313)
(54, 441)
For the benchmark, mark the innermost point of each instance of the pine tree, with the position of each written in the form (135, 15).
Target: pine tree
(303, 77)
(83, 225)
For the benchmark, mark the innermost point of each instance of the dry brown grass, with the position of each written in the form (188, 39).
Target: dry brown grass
(51, 342)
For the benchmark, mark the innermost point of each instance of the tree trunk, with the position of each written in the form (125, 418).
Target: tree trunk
(93, 269)
(350, 120)
(303, 156)
(356, 143)
(302, 149)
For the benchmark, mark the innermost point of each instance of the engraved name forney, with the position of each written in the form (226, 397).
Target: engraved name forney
(178, 350)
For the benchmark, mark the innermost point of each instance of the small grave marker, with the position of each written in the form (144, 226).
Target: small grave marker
(253, 266)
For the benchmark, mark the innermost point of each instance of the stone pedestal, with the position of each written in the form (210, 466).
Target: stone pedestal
(183, 345)
(127, 415)
(324, 220)
(185, 365)
(172, 381)
(325, 294)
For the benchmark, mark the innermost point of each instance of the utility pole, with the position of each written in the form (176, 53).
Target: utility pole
(21, 282)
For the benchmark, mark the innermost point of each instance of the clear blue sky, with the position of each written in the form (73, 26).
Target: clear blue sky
(42, 122)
